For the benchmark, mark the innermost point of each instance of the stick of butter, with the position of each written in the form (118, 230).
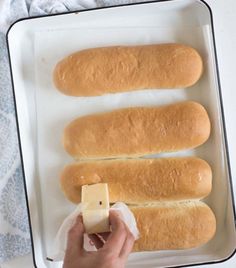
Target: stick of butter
(95, 200)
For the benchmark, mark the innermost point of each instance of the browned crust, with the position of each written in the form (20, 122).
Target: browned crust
(174, 226)
(98, 71)
(140, 180)
(133, 132)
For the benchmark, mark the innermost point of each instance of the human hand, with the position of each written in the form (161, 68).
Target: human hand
(112, 248)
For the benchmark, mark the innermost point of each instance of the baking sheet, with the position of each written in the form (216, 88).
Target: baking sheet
(55, 110)
(42, 112)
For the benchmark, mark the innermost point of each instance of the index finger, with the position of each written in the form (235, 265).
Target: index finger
(118, 235)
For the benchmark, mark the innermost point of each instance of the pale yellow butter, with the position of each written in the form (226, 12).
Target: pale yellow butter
(95, 200)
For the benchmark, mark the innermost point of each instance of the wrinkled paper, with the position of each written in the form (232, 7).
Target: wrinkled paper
(57, 252)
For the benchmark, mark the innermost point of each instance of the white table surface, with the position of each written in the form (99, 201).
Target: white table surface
(224, 15)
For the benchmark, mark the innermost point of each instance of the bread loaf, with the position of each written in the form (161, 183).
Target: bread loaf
(134, 132)
(99, 71)
(140, 180)
(174, 226)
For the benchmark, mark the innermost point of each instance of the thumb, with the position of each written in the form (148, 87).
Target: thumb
(75, 238)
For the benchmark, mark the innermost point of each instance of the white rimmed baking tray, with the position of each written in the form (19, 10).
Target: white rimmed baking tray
(36, 44)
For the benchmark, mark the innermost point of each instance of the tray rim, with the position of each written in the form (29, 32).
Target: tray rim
(220, 102)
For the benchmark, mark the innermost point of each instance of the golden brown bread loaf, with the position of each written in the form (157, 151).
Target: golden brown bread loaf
(98, 71)
(140, 180)
(134, 132)
(174, 226)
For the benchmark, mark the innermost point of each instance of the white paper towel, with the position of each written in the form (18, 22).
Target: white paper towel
(57, 252)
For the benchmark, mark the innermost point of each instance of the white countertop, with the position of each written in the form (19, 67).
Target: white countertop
(225, 34)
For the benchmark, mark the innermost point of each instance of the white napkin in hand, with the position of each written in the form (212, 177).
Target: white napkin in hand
(57, 251)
